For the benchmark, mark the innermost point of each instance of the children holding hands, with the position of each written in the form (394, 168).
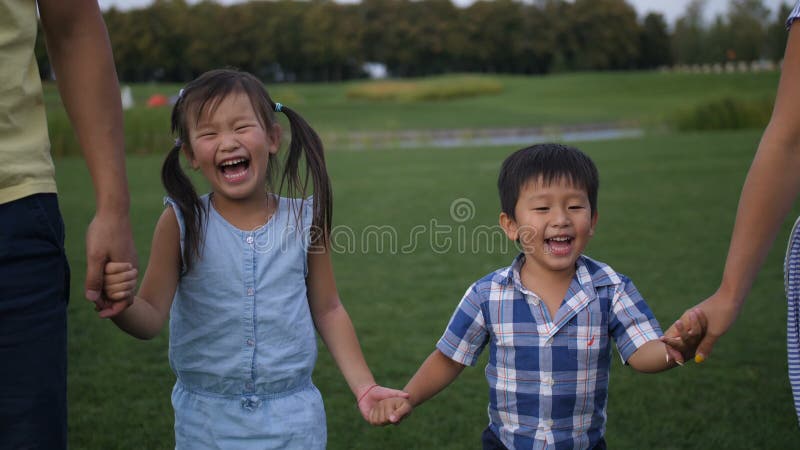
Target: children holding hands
(245, 277)
(549, 318)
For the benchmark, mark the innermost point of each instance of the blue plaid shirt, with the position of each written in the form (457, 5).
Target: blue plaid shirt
(548, 377)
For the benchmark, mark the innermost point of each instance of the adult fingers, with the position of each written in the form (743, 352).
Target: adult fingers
(95, 265)
(702, 319)
(113, 308)
(705, 347)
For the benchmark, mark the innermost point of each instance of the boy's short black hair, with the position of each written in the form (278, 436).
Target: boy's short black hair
(548, 162)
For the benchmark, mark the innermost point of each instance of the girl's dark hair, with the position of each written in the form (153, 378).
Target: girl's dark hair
(204, 94)
(548, 162)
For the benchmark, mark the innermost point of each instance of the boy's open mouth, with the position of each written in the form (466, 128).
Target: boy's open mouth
(234, 169)
(559, 245)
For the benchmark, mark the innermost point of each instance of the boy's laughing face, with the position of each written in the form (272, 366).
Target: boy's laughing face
(553, 223)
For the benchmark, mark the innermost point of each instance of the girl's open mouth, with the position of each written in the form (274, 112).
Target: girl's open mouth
(234, 169)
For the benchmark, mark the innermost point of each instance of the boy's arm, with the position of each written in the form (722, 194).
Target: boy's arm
(653, 356)
(435, 374)
(145, 318)
(337, 331)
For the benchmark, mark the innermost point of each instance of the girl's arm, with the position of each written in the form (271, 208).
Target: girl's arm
(145, 318)
(334, 325)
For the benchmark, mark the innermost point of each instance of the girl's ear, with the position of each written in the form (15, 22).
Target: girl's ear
(190, 156)
(595, 216)
(274, 136)
(510, 226)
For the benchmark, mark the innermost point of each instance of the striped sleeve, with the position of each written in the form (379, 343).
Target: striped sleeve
(794, 15)
(791, 269)
(631, 323)
(466, 334)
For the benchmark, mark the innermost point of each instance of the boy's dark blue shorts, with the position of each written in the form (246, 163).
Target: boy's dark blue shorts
(34, 290)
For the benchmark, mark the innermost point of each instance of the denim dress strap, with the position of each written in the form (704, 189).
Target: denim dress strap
(791, 270)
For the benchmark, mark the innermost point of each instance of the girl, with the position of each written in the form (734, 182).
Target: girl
(242, 272)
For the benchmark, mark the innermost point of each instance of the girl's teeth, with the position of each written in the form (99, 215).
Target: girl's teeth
(233, 162)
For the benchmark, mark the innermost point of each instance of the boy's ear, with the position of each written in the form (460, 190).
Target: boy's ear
(510, 226)
(274, 135)
(595, 216)
(190, 156)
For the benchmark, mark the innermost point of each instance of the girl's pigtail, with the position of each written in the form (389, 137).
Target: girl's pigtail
(306, 142)
(179, 187)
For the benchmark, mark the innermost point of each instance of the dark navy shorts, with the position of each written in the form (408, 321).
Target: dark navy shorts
(34, 290)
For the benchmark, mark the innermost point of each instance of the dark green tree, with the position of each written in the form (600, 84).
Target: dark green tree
(776, 33)
(747, 21)
(689, 37)
(655, 46)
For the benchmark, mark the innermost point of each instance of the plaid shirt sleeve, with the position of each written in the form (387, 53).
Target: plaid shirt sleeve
(466, 334)
(631, 323)
(794, 15)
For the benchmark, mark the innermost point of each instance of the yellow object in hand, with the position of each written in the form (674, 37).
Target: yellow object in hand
(698, 358)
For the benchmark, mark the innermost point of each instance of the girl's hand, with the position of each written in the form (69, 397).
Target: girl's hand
(119, 284)
(369, 396)
(391, 410)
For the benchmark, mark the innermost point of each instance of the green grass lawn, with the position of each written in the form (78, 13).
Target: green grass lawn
(647, 98)
(666, 204)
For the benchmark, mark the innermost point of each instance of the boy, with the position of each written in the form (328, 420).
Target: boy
(547, 318)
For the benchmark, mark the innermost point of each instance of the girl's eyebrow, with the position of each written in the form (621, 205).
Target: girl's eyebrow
(238, 118)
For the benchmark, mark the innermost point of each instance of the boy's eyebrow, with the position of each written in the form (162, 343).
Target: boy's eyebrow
(541, 195)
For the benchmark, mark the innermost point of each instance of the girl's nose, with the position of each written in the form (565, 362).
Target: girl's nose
(228, 142)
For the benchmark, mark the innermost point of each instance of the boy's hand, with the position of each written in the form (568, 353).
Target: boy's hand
(683, 337)
(371, 395)
(391, 410)
(119, 284)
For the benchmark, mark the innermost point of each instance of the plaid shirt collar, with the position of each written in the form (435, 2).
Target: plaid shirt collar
(588, 272)
(589, 275)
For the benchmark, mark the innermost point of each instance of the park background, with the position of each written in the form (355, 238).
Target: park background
(671, 112)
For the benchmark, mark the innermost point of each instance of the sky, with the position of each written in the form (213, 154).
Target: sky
(671, 9)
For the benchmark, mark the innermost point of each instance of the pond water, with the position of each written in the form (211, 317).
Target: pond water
(478, 137)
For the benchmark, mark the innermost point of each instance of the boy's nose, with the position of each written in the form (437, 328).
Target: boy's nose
(560, 217)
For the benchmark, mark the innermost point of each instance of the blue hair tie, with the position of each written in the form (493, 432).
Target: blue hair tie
(178, 142)
(278, 107)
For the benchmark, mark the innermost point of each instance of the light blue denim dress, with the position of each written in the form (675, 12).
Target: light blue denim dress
(242, 342)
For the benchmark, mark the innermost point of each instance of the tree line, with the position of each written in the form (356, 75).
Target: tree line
(321, 40)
